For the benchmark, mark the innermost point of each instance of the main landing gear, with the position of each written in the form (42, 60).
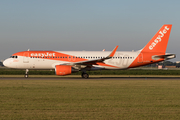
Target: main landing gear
(85, 75)
(26, 74)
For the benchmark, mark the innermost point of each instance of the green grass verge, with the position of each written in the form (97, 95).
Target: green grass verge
(89, 99)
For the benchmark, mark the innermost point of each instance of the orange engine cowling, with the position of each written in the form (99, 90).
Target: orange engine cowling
(63, 70)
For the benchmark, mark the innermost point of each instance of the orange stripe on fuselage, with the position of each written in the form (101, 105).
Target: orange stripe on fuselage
(103, 64)
(52, 55)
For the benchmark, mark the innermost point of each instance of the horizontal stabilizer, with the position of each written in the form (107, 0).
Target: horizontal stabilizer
(165, 57)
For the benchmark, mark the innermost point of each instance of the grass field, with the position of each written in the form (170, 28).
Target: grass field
(62, 98)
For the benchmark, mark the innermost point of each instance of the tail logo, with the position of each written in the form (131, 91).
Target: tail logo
(158, 39)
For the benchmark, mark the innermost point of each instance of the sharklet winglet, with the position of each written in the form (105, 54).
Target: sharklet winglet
(113, 52)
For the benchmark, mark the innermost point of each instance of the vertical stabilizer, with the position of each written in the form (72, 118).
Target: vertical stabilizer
(160, 40)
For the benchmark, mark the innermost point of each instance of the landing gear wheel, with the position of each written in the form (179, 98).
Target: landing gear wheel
(85, 75)
(26, 76)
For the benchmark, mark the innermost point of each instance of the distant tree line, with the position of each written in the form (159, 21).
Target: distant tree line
(164, 63)
(1, 64)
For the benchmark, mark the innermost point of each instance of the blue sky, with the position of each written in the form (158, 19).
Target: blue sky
(65, 25)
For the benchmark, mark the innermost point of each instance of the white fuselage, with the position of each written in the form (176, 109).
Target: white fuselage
(121, 60)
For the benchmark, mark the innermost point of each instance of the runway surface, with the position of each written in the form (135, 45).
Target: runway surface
(91, 78)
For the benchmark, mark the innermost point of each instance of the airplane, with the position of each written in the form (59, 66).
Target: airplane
(67, 62)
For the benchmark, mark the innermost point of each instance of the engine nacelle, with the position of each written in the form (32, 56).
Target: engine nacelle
(63, 70)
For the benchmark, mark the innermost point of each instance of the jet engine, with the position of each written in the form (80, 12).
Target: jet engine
(62, 70)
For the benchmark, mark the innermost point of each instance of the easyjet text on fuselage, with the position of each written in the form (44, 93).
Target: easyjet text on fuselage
(43, 54)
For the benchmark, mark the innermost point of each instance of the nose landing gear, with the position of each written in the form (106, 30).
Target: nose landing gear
(26, 74)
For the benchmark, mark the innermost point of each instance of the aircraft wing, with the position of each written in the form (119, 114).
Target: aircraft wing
(94, 61)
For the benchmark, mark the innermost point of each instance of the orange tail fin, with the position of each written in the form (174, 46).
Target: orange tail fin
(160, 40)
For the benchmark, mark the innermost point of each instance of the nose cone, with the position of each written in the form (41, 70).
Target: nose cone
(7, 62)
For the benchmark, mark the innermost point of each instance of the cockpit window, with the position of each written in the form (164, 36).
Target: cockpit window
(14, 57)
